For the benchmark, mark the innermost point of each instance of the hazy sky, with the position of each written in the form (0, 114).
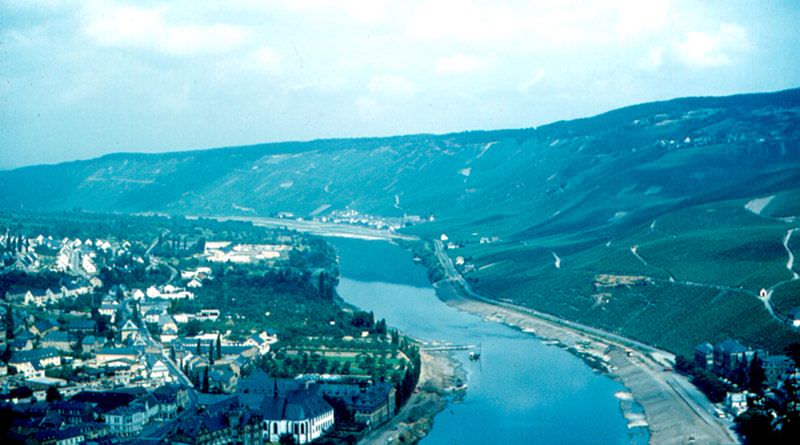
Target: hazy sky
(79, 79)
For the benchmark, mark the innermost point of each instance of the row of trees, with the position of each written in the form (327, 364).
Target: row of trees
(288, 367)
(366, 321)
(405, 387)
(750, 376)
(42, 280)
(178, 245)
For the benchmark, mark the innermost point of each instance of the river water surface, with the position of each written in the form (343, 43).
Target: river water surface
(521, 391)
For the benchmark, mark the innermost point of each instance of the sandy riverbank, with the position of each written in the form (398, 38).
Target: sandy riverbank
(675, 412)
(437, 381)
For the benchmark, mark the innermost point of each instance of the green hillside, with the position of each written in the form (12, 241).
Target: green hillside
(671, 178)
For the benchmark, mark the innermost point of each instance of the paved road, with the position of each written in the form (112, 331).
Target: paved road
(154, 431)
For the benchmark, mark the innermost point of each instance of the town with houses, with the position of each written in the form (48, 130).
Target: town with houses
(85, 361)
(745, 383)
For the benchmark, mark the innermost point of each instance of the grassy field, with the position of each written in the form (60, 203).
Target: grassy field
(375, 359)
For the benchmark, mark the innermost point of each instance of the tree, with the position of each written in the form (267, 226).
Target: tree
(683, 365)
(219, 347)
(755, 426)
(321, 284)
(53, 394)
(9, 322)
(193, 328)
(362, 319)
(756, 375)
(711, 385)
(205, 380)
(739, 376)
(210, 355)
(793, 351)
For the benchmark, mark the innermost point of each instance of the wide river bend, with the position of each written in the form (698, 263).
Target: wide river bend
(521, 391)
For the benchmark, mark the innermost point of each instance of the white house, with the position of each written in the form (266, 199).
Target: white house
(153, 292)
(158, 370)
(208, 314)
(129, 331)
(736, 402)
(261, 341)
(41, 298)
(137, 294)
(168, 328)
(32, 363)
(126, 421)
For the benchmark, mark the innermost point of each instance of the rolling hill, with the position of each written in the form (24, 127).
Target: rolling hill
(695, 195)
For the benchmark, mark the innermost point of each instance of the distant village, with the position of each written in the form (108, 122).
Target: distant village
(88, 363)
(740, 378)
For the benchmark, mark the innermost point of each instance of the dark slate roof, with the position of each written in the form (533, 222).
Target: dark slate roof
(213, 423)
(21, 392)
(24, 335)
(358, 397)
(72, 406)
(33, 355)
(56, 336)
(43, 325)
(273, 408)
(305, 405)
(234, 350)
(166, 396)
(260, 383)
(731, 346)
(295, 405)
(193, 426)
(256, 339)
(128, 410)
(777, 360)
(19, 343)
(81, 324)
(119, 351)
(105, 400)
(56, 434)
(92, 340)
(136, 391)
(704, 348)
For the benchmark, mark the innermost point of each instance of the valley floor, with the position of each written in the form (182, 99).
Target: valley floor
(675, 411)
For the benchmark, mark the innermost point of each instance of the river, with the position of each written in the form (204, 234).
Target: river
(520, 391)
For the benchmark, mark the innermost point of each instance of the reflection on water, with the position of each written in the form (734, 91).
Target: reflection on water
(521, 391)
